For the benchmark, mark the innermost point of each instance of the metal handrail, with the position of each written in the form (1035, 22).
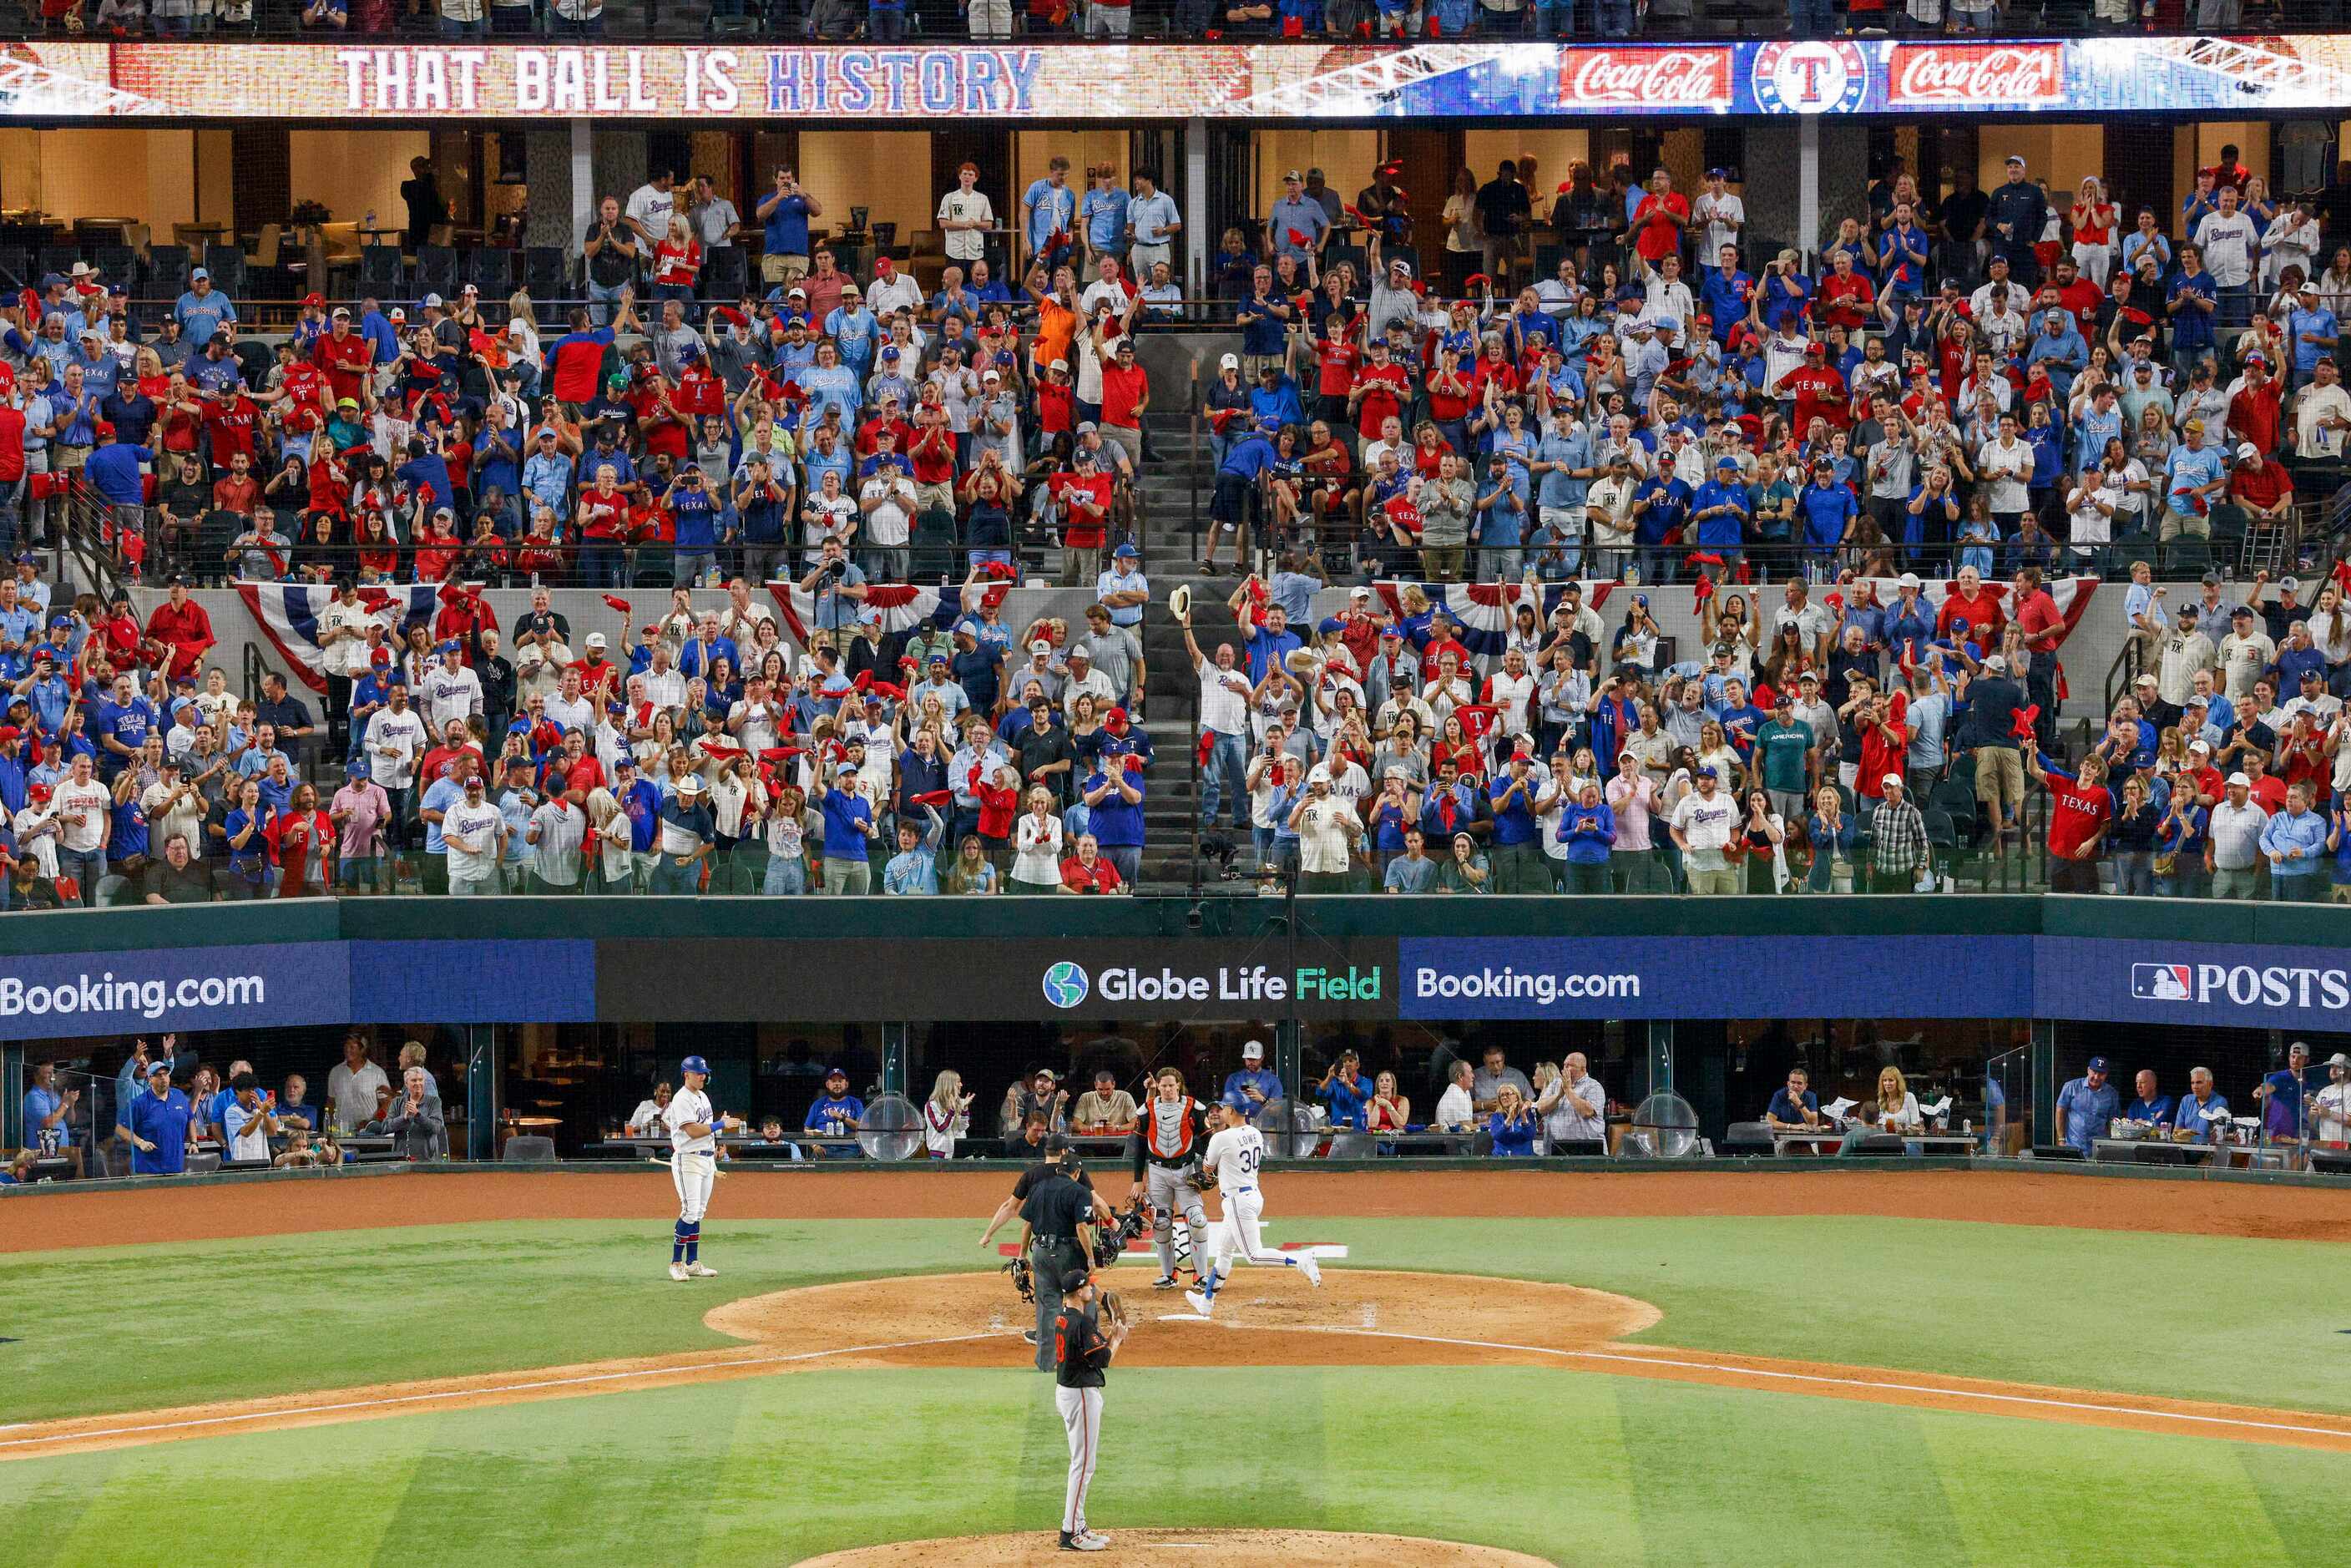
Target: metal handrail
(82, 537)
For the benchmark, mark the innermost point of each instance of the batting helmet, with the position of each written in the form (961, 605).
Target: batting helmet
(694, 1065)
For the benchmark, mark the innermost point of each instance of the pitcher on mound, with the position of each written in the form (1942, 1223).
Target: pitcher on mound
(1234, 1153)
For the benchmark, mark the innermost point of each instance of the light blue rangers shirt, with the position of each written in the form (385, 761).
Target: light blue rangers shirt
(1103, 213)
(2083, 1112)
(1051, 209)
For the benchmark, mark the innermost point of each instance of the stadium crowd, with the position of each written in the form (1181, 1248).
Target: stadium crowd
(1992, 379)
(1990, 388)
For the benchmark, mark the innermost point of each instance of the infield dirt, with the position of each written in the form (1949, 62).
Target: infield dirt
(70, 1217)
(1185, 1549)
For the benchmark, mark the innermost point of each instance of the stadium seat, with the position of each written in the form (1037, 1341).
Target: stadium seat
(528, 1148)
(167, 271)
(490, 269)
(227, 264)
(2055, 1152)
(382, 272)
(1878, 1145)
(547, 273)
(728, 274)
(2187, 558)
(932, 544)
(436, 270)
(1748, 1140)
(116, 262)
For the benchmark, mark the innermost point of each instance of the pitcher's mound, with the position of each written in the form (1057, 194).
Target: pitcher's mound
(1183, 1549)
(1359, 1316)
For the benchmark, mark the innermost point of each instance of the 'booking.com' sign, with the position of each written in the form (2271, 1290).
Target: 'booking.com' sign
(74, 994)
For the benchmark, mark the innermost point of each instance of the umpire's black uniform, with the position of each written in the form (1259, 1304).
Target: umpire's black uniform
(1053, 1203)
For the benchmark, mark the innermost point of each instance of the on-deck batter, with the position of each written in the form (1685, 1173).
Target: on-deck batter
(693, 1165)
(1234, 1154)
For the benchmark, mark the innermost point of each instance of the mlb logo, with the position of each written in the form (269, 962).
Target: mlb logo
(2162, 983)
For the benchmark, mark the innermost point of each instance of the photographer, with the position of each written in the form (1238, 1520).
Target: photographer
(612, 253)
(839, 586)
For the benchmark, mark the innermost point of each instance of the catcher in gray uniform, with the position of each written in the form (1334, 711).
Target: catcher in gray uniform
(1168, 1142)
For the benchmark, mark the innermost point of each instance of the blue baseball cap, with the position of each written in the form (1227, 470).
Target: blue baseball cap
(1237, 1101)
(2097, 1064)
(694, 1065)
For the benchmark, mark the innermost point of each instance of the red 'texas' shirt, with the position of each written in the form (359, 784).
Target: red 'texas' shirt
(230, 425)
(2077, 813)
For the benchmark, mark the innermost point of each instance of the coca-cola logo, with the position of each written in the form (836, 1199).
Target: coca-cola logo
(1977, 73)
(1647, 79)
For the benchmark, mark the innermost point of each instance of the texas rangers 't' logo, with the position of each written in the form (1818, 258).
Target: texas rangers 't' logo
(1066, 984)
(1809, 75)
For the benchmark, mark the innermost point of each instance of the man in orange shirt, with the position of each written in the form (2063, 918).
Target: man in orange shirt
(1058, 316)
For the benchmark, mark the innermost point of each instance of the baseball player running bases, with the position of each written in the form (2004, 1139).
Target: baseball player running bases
(694, 1165)
(1234, 1153)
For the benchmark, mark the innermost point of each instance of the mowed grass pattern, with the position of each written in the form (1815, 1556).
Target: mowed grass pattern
(1578, 1468)
(2187, 1316)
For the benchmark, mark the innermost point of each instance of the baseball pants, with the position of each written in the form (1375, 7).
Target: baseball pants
(1170, 1195)
(1047, 1262)
(692, 1175)
(1080, 1411)
(1238, 1232)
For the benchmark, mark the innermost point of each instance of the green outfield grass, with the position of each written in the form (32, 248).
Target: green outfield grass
(2194, 1317)
(1577, 1467)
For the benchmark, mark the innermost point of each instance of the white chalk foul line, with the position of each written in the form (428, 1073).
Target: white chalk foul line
(535, 1385)
(1761, 1373)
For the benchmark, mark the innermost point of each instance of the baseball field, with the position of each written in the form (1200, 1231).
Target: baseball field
(1809, 1367)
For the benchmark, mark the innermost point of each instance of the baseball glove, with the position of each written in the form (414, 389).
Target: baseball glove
(1114, 1311)
(1202, 1178)
(1019, 1269)
(1111, 1241)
